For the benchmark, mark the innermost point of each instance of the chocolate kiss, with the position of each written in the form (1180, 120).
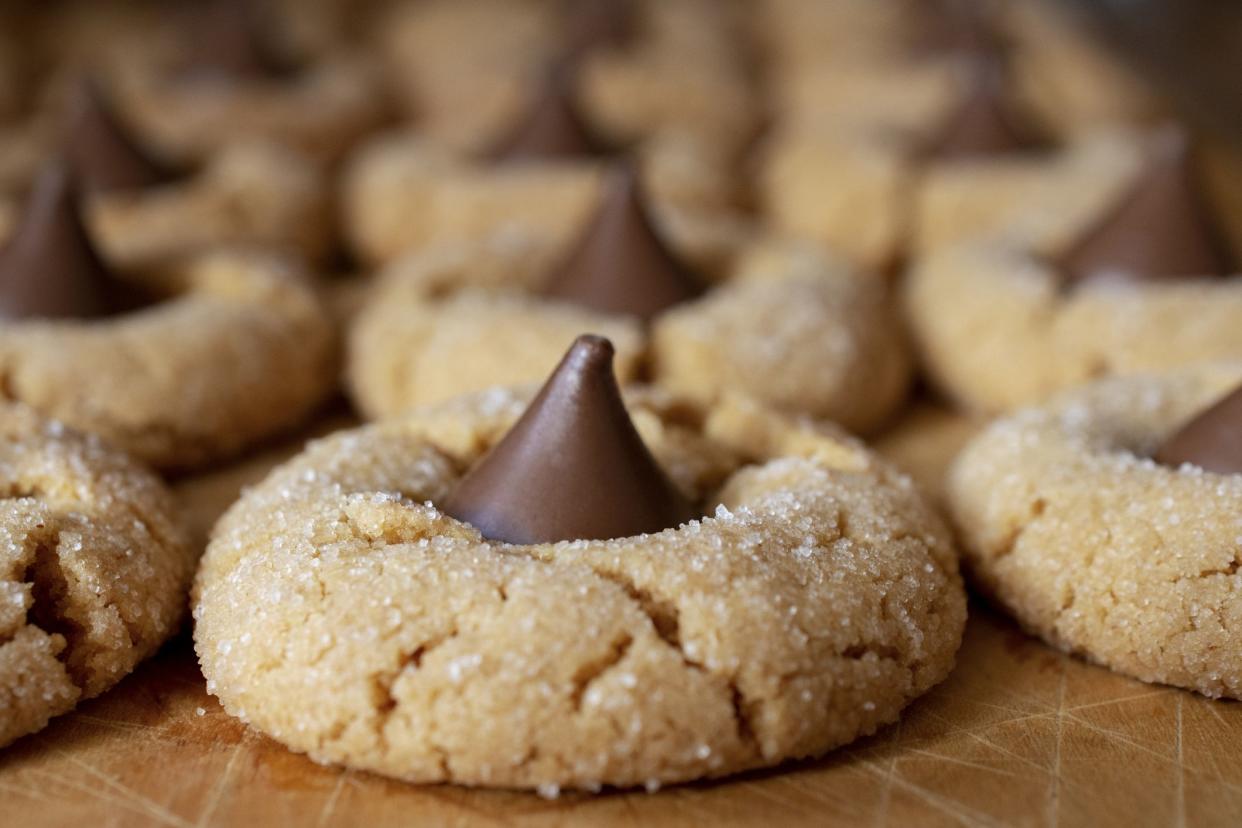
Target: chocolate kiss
(982, 125)
(942, 27)
(599, 23)
(573, 467)
(228, 38)
(103, 155)
(619, 264)
(49, 268)
(1212, 440)
(552, 128)
(1160, 229)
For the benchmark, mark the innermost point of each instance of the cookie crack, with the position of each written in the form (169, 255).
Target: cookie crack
(49, 590)
(590, 672)
(664, 616)
(744, 713)
(386, 703)
(665, 619)
(1009, 543)
(1231, 568)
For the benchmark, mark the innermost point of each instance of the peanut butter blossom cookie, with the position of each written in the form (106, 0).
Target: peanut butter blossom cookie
(788, 326)
(641, 67)
(223, 76)
(145, 210)
(93, 569)
(955, 157)
(579, 591)
(1108, 523)
(178, 366)
(1132, 275)
(535, 184)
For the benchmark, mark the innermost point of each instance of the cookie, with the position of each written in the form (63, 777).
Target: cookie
(223, 75)
(401, 193)
(341, 611)
(178, 366)
(246, 195)
(204, 496)
(922, 157)
(638, 69)
(94, 569)
(682, 71)
(800, 35)
(1074, 82)
(1098, 549)
(787, 325)
(1080, 291)
(143, 210)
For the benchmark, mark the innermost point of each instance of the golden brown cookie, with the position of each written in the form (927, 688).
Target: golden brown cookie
(1001, 323)
(241, 348)
(1098, 549)
(675, 66)
(319, 109)
(788, 326)
(252, 195)
(877, 186)
(339, 611)
(1065, 74)
(401, 193)
(142, 209)
(94, 569)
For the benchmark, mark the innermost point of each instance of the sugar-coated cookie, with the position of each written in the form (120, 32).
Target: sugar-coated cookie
(788, 326)
(339, 610)
(401, 193)
(94, 568)
(1130, 271)
(1098, 549)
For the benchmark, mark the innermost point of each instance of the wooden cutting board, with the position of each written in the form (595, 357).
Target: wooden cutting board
(1018, 735)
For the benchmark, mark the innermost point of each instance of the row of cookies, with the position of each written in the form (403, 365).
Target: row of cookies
(497, 304)
(1100, 519)
(208, 332)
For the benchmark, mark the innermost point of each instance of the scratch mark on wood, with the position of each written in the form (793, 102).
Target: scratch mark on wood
(966, 731)
(1054, 787)
(1210, 704)
(1077, 707)
(966, 763)
(329, 804)
(124, 795)
(29, 792)
(963, 814)
(1181, 768)
(1117, 736)
(216, 796)
(886, 792)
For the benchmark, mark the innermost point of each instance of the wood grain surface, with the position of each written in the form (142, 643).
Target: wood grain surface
(1018, 735)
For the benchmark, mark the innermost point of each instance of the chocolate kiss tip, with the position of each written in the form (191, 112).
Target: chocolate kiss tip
(949, 27)
(103, 155)
(573, 467)
(1160, 229)
(620, 264)
(552, 128)
(49, 268)
(982, 126)
(595, 24)
(1212, 440)
(228, 38)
